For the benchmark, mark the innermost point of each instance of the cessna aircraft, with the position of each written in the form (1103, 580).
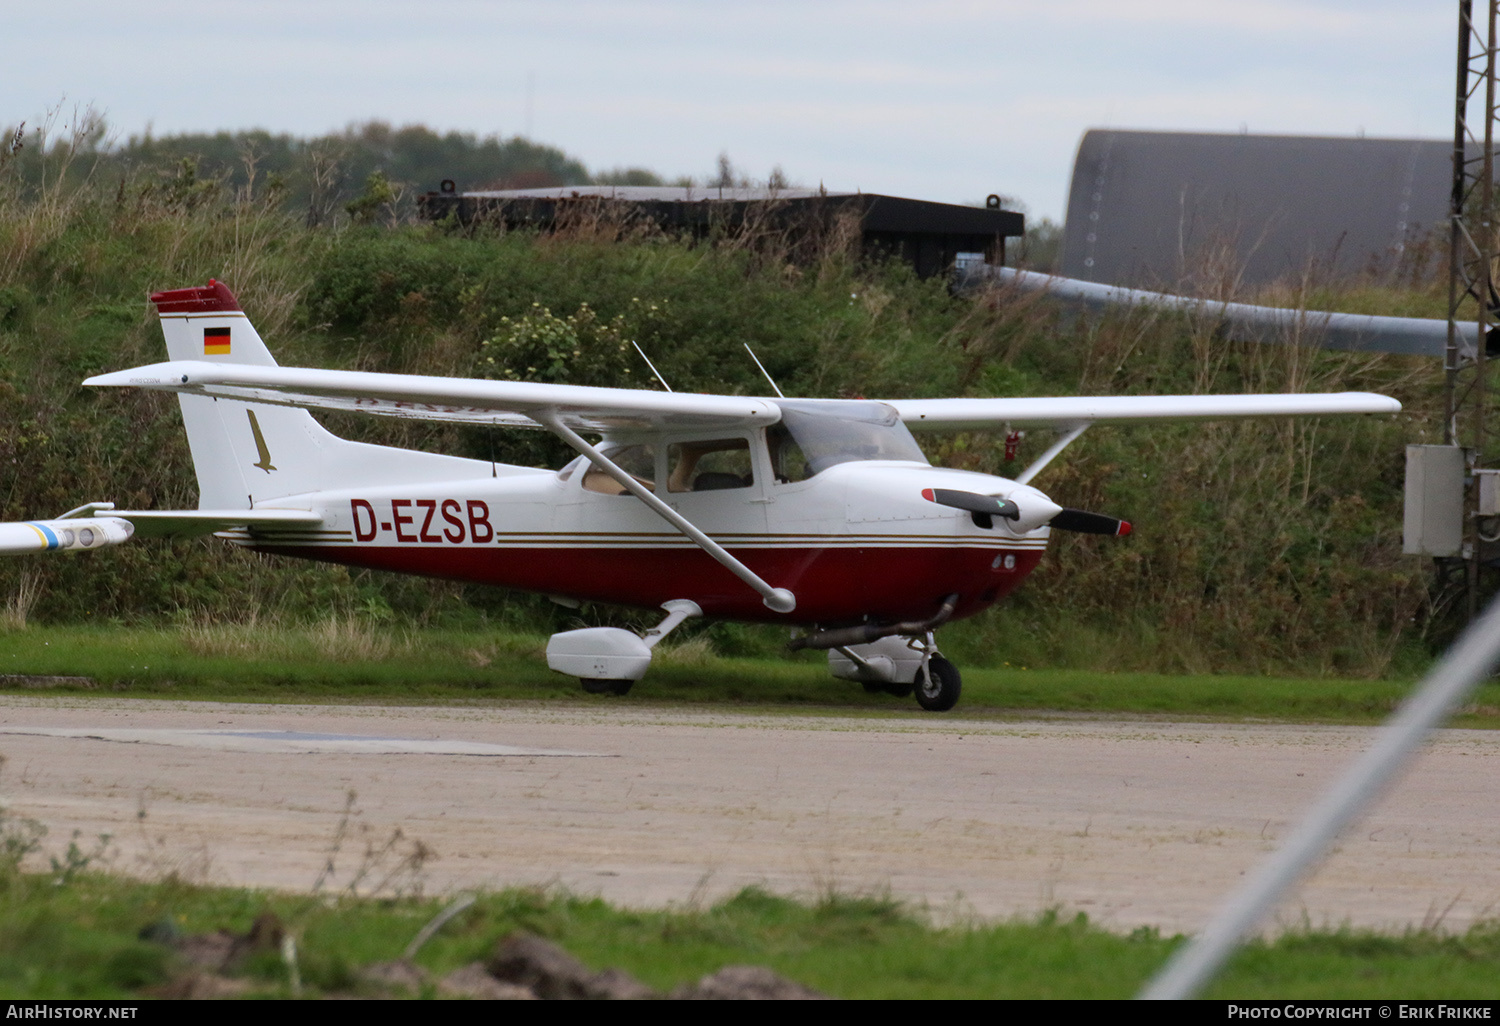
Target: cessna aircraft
(820, 514)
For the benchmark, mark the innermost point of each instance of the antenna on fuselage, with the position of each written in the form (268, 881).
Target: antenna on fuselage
(651, 365)
(763, 370)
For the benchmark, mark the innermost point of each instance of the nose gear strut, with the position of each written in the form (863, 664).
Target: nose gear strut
(865, 633)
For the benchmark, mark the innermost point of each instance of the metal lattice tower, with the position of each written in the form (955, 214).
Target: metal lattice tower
(1473, 250)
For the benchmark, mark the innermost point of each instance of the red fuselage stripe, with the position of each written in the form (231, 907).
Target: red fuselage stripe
(831, 584)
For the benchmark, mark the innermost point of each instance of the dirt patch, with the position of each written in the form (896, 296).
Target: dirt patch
(34, 683)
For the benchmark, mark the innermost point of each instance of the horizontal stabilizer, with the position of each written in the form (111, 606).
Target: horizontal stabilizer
(186, 523)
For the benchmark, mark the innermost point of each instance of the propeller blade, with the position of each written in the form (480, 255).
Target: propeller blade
(973, 502)
(1085, 522)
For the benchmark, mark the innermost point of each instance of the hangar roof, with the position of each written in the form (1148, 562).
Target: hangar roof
(931, 236)
(1178, 209)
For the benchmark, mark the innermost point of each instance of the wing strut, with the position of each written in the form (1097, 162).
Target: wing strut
(778, 599)
(1040, 463)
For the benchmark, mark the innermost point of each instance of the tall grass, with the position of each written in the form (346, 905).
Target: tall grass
(17, 610)
(338, 638)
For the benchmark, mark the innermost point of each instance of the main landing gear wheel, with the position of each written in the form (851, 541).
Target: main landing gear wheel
(937, 690)
(606, 687)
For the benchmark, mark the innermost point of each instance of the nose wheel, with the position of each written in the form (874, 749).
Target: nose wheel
(938, 684)
(900, 664)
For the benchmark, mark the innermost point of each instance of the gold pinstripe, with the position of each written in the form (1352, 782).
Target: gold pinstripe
(562, 542)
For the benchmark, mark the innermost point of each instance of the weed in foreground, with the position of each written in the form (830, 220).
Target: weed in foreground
(388, 865)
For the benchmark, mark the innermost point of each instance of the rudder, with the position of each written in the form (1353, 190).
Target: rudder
(246, 454)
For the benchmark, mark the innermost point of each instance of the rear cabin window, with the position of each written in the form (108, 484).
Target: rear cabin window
(709, 466)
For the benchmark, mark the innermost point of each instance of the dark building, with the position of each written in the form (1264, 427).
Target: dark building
(932, 237)
(1173, 209)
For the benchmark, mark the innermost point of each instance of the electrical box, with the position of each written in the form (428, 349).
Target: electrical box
(1489, 492)
(1434, 521)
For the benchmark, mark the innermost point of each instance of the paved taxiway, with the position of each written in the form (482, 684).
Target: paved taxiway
(1131, 822)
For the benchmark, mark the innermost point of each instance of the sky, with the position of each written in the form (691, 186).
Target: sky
(947, 100)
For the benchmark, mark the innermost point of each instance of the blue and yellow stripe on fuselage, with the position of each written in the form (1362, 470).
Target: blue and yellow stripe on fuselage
(48, 536)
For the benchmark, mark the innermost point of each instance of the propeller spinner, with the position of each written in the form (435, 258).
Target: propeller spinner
(1037, 510)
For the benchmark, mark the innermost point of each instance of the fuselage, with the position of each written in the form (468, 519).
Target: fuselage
(855, 540)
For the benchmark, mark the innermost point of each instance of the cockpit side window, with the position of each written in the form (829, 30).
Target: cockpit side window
(639, 461)
(709, 465)
(787, 459)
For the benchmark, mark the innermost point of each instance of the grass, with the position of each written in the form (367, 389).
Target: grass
(348, 659)
(83, 940)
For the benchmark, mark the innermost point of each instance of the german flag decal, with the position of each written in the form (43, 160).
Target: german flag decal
(215, 341)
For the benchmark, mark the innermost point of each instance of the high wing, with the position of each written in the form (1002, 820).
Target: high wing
(1080, 411)
(465, 400)
(585, 408)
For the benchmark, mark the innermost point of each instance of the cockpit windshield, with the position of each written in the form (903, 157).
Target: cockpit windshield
(814, 436)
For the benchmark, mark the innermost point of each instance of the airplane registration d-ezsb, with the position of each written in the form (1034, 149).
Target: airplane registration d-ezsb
(820, 514)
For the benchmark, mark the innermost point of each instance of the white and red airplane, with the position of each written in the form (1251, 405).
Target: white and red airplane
(820, 514)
